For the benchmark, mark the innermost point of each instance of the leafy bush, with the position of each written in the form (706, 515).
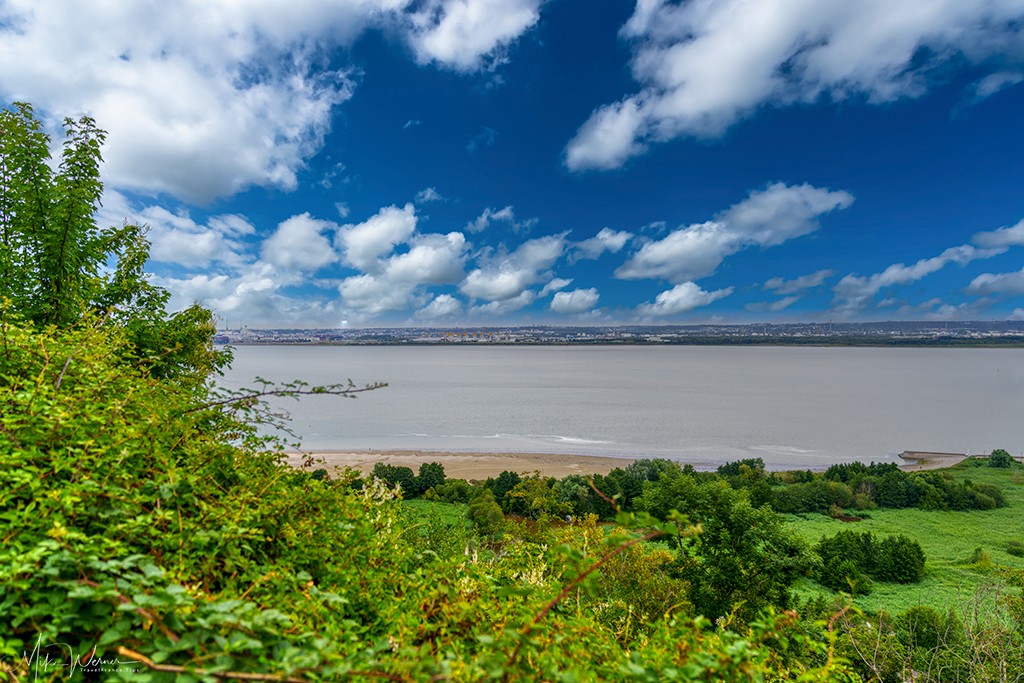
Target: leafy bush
(743, 553)
(927, 628)
(485, 514)
(818, 495)
(1015, 548)
(900, 559)
(1000, 458)
(454, 491)
(844, 575)
(894, 558)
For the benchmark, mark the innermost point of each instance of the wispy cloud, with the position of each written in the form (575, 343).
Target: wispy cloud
(703, 66)
(485, 138)
(765, 218)
(506, 216)
(800, 284)
(428, 195)
(854, 294)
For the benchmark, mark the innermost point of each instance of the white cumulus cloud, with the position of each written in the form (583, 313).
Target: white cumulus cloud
(1003, 237)
(507, 276)
(702, 65)
(176, 238)
(681, 299)
(998, 283)
(443, 306)
(397, 282)
(766, 218)
(299, 243)
(466, 35)
(365, 243)
(203, 98)
(606, 240)
(576, 301)
(506, 306)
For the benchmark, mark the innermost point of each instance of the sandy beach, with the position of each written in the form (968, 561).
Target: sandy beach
(482, 465)
(468, 465)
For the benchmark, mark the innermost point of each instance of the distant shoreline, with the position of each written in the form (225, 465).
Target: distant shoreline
(995, 342)
(481, 465)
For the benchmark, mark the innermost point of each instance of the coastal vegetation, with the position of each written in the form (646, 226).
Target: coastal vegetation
(151, 532)
(883, 577)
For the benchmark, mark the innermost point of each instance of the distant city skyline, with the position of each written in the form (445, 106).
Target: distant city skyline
(459, 163)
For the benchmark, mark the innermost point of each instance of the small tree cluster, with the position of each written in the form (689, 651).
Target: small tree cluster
(850, 558)
(431, 475)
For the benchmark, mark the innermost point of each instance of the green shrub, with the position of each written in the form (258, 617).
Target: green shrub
(1015, 548)
(1000, 458)
(920, 626)
(901, 559)
(861, 549)
(850, 555)
(320, 475)
(485, 514)
(844, 575)
(454, 491)
(862, 501)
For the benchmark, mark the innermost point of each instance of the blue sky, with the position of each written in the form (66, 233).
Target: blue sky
(494, 162)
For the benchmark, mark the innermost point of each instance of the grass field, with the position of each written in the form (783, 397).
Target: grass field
(949, 539)
(450, 514)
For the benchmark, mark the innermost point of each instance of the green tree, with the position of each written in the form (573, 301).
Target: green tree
(900, 559)
(485, 514)
(743, 557)
(54, 259)
(535, 497)
(1000, 458)
(395, 475)
(431, 476)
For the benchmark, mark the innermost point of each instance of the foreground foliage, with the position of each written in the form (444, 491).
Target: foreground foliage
(144, 525)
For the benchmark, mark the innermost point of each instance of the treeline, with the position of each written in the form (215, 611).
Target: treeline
(850, 486)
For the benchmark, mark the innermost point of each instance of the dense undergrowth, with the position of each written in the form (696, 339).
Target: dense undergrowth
(143, 522)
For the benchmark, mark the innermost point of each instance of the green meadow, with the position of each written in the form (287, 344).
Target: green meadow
(418, 512)
(954, 576)
(949, 539)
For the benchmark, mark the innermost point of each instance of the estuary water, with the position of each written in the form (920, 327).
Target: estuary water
(794, 407)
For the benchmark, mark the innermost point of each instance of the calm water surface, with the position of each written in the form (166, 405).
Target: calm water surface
(793, 407)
